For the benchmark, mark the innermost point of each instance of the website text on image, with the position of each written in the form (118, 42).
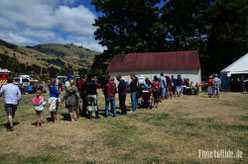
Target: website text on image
(3, 76)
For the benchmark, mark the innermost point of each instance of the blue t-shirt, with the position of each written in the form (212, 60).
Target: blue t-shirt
(54, 92)
(162, 82)
(174, 81)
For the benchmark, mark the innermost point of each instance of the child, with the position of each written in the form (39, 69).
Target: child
(155, 91)
(39, 103)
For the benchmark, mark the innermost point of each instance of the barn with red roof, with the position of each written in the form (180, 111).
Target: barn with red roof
(185, 63)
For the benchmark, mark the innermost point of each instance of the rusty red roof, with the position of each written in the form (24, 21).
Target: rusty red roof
(178, 60)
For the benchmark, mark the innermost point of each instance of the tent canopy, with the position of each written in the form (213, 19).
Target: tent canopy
(238, 67)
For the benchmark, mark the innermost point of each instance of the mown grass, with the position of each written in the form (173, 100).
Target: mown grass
(173, 133)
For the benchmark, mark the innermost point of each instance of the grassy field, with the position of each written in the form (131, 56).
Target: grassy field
(173, 133)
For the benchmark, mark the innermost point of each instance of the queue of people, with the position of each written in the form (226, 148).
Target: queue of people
(82, 96)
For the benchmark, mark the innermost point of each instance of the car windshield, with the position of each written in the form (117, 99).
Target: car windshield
(17, 80)
(25, 80)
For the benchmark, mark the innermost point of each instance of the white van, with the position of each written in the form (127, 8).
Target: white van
(22, 79)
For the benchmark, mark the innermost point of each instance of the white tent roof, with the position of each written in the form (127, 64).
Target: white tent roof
(238, 67)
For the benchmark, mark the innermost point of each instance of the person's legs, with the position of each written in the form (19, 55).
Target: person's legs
(10, 113)
(178, 91)
(112, 101)
(133, 99)
(122, 100)
(52, 118)
(77, 112)
(217, 92)
(55, 113)
(70, 112)
(84, 105)
(171, 93)
(163, 94)
(160, 93)
(37, 119)
(95, 106)
(106, 106)
(14, 108)
(89, 101)
(41, 119)
(156, 99)
(10, 120)
(214, 91)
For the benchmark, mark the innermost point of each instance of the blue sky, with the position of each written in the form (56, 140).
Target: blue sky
(32, 22)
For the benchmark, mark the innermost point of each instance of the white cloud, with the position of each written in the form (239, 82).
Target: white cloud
(30, 22)
(75, 20)
(16, 38)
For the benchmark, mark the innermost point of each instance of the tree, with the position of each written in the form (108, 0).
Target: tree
(186, 24)
(228, 37)
(127, 26)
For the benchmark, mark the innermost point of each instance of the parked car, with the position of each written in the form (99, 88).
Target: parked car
(24, 80)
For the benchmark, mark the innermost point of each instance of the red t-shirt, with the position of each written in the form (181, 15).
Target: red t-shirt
(210, 83)
(155, 84)
(79, 83)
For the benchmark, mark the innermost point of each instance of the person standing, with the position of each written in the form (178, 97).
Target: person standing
(105, 82)
(210, 86)
(110, 91)
(179, 83)
(39, 103)
(83, 95)
(60, 84)
(72, 99)
(79, 87)
(53, 101)
(174, 81)
(91, 93)
(216, 85)
(155, 91)
(133, 90)
(122, 89)
(242, 84)
(162, 86)
(169, 87)
(67, 83)
(12, 96)
(148, 82)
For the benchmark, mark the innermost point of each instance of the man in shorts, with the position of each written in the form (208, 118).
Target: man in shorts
(12, 96)
(91, 93)
(179, 83)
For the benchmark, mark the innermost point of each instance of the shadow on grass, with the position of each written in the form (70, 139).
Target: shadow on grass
(102, 113)
(66, 117)
(6, 125)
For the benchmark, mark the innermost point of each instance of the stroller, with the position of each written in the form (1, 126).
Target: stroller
(145, 98)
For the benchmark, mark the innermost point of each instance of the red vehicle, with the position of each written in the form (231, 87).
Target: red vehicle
(3, 76)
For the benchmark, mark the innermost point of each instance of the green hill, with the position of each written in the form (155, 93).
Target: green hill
(56, 57)
(76, 55)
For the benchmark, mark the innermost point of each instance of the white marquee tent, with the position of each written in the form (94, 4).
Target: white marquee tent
(238, 67)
